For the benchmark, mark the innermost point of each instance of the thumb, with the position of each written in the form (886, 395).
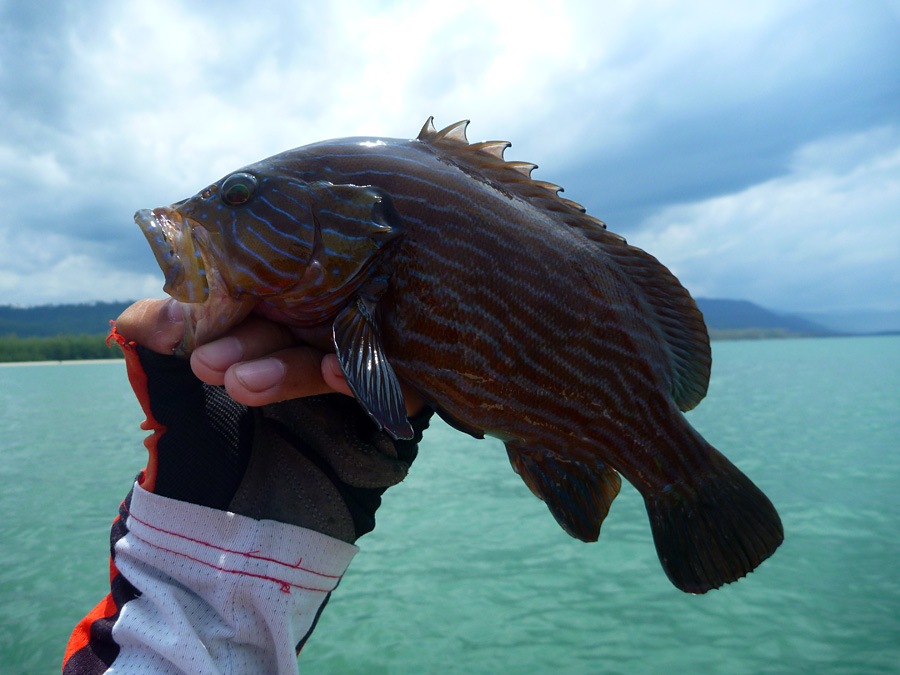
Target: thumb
(157, 324)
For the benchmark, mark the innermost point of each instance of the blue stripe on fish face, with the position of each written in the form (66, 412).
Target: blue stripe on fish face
(267, 241)
(270, 242)
(278, 229)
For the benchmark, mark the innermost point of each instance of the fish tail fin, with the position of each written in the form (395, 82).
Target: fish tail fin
(578, 495)
(714, 530)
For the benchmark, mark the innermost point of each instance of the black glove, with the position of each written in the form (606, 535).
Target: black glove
(317, 462)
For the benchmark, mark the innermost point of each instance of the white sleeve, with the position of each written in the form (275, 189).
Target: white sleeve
(219, 592)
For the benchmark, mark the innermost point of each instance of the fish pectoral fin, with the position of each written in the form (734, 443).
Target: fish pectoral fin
(371, 378)
(578, 495)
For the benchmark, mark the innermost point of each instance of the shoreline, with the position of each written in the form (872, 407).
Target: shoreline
(67, 362)
(715, 336)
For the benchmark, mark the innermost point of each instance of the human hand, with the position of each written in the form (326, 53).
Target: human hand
(315, 460)
(259, 362)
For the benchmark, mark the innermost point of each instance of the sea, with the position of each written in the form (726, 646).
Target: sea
(467, 572)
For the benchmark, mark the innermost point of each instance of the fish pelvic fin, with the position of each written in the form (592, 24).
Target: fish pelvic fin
(715, 531)
(578, 495)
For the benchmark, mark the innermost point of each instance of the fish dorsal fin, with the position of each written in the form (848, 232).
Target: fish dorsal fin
(678, 319)
(676, 313)
(485, 161)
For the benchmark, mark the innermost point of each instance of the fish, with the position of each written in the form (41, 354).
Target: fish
(440, 264)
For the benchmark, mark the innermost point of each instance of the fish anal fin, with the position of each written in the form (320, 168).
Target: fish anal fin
(371, 378)
(578, 495)
(715, 531)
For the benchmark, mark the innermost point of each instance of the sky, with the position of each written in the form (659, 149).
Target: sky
(754, 149)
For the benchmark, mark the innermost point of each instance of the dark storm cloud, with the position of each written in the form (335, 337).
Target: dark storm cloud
(33, 58)
(829, 70)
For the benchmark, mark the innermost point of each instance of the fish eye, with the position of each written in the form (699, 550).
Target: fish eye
(238, 188)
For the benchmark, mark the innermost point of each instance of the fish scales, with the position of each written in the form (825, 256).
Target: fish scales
(509, 309)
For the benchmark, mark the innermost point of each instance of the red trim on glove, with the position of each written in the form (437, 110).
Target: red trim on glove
(81, 636)
(138, 379)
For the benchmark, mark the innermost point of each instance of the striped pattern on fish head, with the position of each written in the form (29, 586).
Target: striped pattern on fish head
(262, 240)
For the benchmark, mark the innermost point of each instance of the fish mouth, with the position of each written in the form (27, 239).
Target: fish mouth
(173, 240)
(185, 253)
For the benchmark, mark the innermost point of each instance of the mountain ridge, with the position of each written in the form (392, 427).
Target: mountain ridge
(742, 318)
(725, 318)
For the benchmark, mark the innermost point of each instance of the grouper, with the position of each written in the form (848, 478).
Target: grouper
(440, 264)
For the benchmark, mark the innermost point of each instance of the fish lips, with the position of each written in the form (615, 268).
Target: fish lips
(173, 238)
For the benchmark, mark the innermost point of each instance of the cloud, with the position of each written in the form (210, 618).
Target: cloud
(814, 238)
(711, 102)
(56, 268)
(635, 108)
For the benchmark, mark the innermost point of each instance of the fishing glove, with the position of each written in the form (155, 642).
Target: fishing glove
(317, 462)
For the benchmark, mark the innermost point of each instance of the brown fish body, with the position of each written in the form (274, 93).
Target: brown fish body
(515, 324)
(518, 316)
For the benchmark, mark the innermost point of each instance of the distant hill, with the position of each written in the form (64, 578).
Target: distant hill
(740, 318)
(858, 321)
(52, 320)
(724, 318)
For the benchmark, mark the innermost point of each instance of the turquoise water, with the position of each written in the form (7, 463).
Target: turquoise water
(468, 573)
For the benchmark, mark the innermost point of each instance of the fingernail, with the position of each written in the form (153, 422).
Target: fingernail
(170, 328)
(258, 376)
(220, 354)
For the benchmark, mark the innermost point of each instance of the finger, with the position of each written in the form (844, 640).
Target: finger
(290, 373)
(294, 373)
(320, 336)
(249, 340)
(157, 324)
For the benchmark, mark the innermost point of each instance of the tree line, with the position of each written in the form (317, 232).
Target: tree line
(56, 348)
(87, 318)
(57, 332)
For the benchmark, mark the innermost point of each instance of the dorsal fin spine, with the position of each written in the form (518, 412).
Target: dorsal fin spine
(493, 148)
(454, 132)
(487, 158)
(574, 205)
(549, 187)
(428, 131)
(524, 168)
